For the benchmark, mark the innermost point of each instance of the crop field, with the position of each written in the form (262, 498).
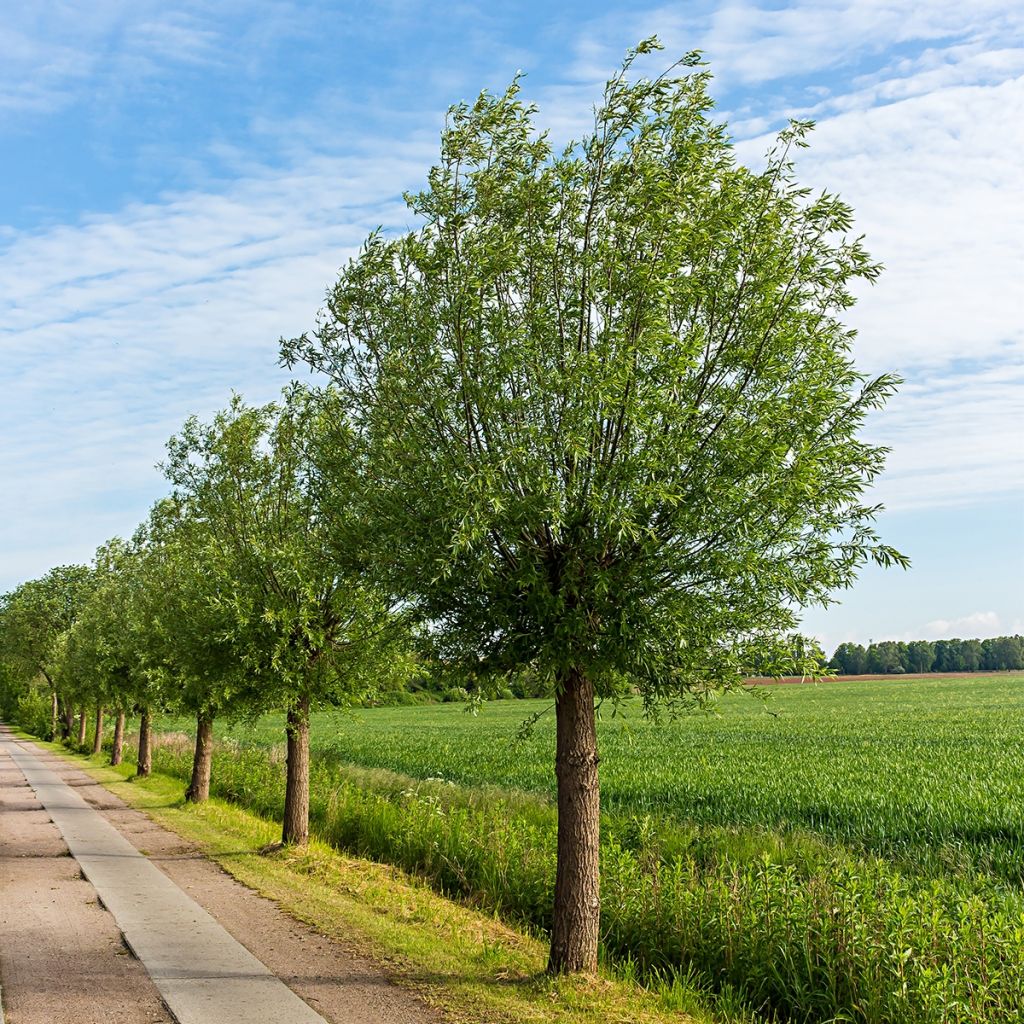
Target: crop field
(925, 764)
(870, 832)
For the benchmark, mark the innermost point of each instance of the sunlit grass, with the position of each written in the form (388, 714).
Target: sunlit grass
(869, 835)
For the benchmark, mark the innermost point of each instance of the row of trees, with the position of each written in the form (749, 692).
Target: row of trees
(595, 418)
(229, 599)
(1001, 653)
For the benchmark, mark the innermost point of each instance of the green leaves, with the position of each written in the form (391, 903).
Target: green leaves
(264, 559)
(603, 398)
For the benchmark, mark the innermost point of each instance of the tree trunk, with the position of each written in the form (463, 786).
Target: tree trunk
(97, 739)
(53, 716)
(83, 723)
(574, 930)
(145, 765)
(68, 723)
(117, 751)
(296, 793)
(199, 788)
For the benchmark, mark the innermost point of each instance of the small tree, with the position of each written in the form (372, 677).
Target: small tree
(608, 415)
(34, 619)
(188, 656)
(102, 653)
(304, 629)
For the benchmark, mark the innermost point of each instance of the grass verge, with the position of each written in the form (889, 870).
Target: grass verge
(467, 964)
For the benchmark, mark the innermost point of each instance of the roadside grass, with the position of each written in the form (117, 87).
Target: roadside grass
(856, 857)
(468, 964)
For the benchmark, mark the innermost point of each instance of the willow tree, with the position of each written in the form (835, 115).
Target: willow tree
(609, 414)
(306, 626)
(182, 633)
(102, 651)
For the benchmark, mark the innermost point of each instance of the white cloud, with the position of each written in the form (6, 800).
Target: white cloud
(956, 438)
(116, 327)
(936, 186)
(976, 625)
(54, 54)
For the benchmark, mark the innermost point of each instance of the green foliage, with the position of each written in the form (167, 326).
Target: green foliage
(296, 619)
(185, 658)
(604, 397)
(35, 616)
(32, 711)
(101, 657)
(997, 654)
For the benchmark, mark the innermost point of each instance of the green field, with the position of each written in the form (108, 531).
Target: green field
(869, 833)
(929, 764)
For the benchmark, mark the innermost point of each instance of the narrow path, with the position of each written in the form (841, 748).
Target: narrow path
(62, 960)
(202, 973)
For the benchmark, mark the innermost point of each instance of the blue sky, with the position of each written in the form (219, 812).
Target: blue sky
(181, 182)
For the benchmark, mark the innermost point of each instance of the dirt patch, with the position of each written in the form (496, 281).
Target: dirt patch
(62, 960)
(893, 677)
(334, 979)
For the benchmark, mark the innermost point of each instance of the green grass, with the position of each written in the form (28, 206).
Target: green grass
(933, 768)
(467, 964)
(854, 855)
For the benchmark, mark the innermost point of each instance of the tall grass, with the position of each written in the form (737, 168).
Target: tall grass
(928, 774)
(804, 927)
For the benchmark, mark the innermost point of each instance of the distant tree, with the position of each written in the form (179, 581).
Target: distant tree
(608, 415)
(948, 656)
(34, 619)
(971, 655)
(884, 657)
(849, 660)
(1003, 653)
(920, 656)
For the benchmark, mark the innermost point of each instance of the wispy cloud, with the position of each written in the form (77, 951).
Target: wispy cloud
(956, 437)
(116, 326)
(975, 625)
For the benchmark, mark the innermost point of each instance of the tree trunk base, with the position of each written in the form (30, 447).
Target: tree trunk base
(295, 830)
(145, 762)
(576, 926)
(117, 750)
(199, 788)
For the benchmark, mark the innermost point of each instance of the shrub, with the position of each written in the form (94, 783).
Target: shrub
(34, 712)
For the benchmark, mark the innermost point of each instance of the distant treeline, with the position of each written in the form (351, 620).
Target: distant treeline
(999, 653)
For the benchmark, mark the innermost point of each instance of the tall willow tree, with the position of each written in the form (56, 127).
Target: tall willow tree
(608, 414)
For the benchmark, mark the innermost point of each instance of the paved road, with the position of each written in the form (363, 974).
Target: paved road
(203, 975)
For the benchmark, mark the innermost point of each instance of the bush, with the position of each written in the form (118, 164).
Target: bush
(402, 698)
(34, 713)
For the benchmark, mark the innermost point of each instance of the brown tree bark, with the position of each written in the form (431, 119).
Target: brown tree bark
(145, 764)
(53, 715)
(83, 724)
(117, 751)
(199, 787)
(97, 738)
(575, 928)
(68, 725)
(296, 793)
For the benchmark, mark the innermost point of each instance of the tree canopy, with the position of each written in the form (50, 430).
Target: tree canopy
(608, 412)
